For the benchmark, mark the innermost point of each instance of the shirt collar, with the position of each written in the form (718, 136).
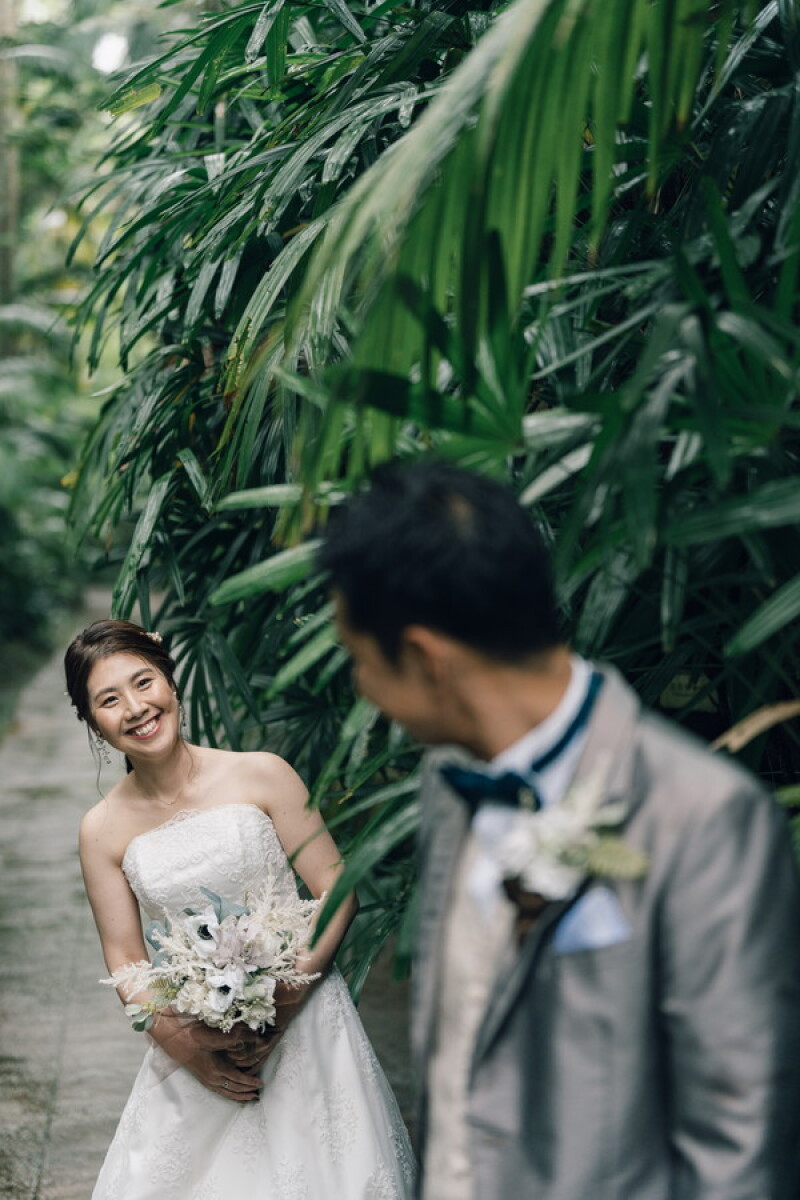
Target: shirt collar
(537, 741)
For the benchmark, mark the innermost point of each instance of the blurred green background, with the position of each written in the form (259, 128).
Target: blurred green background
(55, 57)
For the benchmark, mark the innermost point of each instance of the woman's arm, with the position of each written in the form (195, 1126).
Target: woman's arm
(113, 904)
(312, 851)
(302, 833)
(116, 912)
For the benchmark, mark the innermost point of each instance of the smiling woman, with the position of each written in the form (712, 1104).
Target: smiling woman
(116, 669)
(298, 1106)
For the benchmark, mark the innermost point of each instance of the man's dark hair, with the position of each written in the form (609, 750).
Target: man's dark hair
(430, 544)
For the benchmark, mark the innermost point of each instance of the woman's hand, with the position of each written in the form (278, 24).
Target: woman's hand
(207, 1054)
(251, 1056)
(254, 1049)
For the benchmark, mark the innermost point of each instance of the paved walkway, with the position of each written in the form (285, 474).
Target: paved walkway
(67, 1054)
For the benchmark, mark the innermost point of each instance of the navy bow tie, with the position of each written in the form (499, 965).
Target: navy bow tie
(477, 787)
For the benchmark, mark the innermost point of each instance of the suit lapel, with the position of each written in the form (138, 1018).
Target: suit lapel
(448, 825)
(516, 969)
(610, 735)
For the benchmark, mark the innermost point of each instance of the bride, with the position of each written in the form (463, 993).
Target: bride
(301, 1113)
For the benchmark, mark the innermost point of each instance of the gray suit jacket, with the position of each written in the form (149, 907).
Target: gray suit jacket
(667, 1066)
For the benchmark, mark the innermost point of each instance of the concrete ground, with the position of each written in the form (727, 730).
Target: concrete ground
(67, 1054)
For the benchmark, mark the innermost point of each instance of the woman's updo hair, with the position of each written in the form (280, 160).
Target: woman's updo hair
(101, 639)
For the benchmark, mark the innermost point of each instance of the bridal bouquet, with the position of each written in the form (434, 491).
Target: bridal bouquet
(221, 963)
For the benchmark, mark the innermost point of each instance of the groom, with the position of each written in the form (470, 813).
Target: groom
(619, 1026)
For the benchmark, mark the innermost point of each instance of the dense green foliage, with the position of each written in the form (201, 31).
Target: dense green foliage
(560, 246)
(257, 122)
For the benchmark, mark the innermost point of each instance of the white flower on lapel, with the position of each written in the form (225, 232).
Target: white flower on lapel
(550, 852)
(536, 851)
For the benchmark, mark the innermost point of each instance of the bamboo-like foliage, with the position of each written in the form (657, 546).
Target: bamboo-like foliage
(560, 246)
(675, 353)
(532, 135)
(231, 147)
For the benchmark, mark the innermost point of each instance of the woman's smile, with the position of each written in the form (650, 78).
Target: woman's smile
(151, 726)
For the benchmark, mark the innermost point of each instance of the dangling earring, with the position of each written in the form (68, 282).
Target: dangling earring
(182, 712)
(102, 748)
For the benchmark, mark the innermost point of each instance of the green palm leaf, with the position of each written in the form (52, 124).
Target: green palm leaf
(774, 615)
(523, 84)
(274, 574)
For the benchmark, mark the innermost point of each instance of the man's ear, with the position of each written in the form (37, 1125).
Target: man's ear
(426, 651)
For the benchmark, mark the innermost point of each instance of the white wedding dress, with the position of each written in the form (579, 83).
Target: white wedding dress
(326, 1126)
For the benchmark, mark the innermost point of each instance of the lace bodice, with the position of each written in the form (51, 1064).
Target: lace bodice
(230, 849)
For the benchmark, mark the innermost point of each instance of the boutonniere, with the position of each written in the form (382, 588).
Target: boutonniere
(551, 851)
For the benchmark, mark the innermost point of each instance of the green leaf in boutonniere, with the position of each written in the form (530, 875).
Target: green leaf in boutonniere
(615, 859)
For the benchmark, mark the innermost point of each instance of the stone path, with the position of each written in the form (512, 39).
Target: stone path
(67, 1055)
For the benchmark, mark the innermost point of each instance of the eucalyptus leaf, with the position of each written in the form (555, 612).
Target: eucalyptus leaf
(223, 907)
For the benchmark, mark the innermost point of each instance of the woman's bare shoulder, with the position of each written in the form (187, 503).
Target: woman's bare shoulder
(248, 777)
(104, 828)
(238, 764)
(271, 776)
(269, 766)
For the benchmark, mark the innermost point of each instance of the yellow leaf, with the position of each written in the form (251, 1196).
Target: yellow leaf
(134, 99)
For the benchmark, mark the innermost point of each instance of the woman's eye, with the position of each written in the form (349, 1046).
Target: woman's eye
(145, 682)
(109, 700)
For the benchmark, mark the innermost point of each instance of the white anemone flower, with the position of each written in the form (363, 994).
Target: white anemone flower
(204, 930)
(231, 979)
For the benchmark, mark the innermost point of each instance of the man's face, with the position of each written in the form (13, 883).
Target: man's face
(404, 690)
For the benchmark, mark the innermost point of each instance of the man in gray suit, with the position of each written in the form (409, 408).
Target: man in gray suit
(607, 988)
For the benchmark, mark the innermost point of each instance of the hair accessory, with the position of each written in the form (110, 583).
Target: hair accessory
(154, 636)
